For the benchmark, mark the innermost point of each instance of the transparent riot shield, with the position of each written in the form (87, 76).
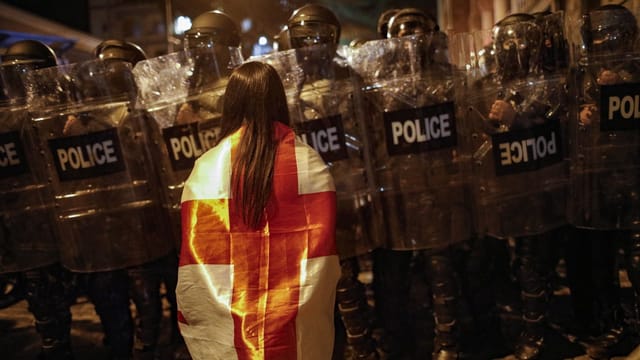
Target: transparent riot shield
(417, 138)
(519, 166)
(107, 204)
(181, 93)
(28, 235)
(326, 112)
(605, 146)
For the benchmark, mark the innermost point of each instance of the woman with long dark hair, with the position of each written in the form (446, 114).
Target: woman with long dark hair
(258, 266)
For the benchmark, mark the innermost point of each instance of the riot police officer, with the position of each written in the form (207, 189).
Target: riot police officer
(181, 95)
(415, 175)
(522, 104)
(604, 204)
(28, 239)
(326, 102)
(108, 208)
(145, 279)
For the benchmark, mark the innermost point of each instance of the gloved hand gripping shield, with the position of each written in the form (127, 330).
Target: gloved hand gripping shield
(181, 93)
(605, 132)
(518, 119)
(107, 204)
(417, 140)
(326, 112)
(28, 237)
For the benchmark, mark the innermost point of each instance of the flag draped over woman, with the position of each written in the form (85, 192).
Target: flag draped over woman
(264, 293)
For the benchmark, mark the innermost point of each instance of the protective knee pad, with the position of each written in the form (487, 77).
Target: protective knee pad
(442, 277)
(532, 275)
(445, 294)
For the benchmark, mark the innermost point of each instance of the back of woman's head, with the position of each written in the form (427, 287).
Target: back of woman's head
(254, 96)
(255, 99)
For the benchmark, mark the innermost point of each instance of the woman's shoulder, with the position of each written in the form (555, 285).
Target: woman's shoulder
(214, 154)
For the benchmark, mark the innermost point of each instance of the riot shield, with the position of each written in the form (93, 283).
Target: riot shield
(417, 138)
(519, 166)
(181, 93)
(108, 206)
(28, 236)
(605, 146)
(326, 111)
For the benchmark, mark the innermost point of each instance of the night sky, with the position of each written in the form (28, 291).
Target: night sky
(73, 13)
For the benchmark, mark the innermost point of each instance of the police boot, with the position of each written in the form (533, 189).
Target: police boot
(49, 293)
(601, 347)
(56, 343)
(445, 295)
(534, 300)
(57, 351)
(352, 306)
(610, 322)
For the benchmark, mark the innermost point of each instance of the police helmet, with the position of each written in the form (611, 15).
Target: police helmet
(611, 28)
(211, 28)
(30, 52)
(119, 50)
(411, 21)
(516, 41)
(313, 24)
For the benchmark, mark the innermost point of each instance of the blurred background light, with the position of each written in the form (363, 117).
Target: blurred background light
(181, 24)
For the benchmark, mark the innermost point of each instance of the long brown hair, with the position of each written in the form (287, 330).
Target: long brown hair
(255, 98)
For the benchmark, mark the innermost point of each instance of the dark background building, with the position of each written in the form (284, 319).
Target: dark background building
(150, 23)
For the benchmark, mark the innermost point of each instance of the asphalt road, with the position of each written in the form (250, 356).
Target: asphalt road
(19, 340)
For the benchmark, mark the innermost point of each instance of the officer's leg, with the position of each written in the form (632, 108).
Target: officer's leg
(352, 305)
(533, 286)
(444, 289)
(144, 282)
(50, 294)
(391, 279)
(109, 292)
(170, 279)
(490, 291)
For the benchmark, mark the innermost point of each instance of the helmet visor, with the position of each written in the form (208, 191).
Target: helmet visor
(413, 27)
(309, 34)
(205, 40)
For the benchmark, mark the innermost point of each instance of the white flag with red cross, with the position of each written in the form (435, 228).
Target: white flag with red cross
(268, 294)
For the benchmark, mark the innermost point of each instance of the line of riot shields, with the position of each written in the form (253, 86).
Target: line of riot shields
(431, 141)
(521, 132)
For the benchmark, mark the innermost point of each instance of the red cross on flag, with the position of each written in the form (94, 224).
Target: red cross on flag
(268, 294)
